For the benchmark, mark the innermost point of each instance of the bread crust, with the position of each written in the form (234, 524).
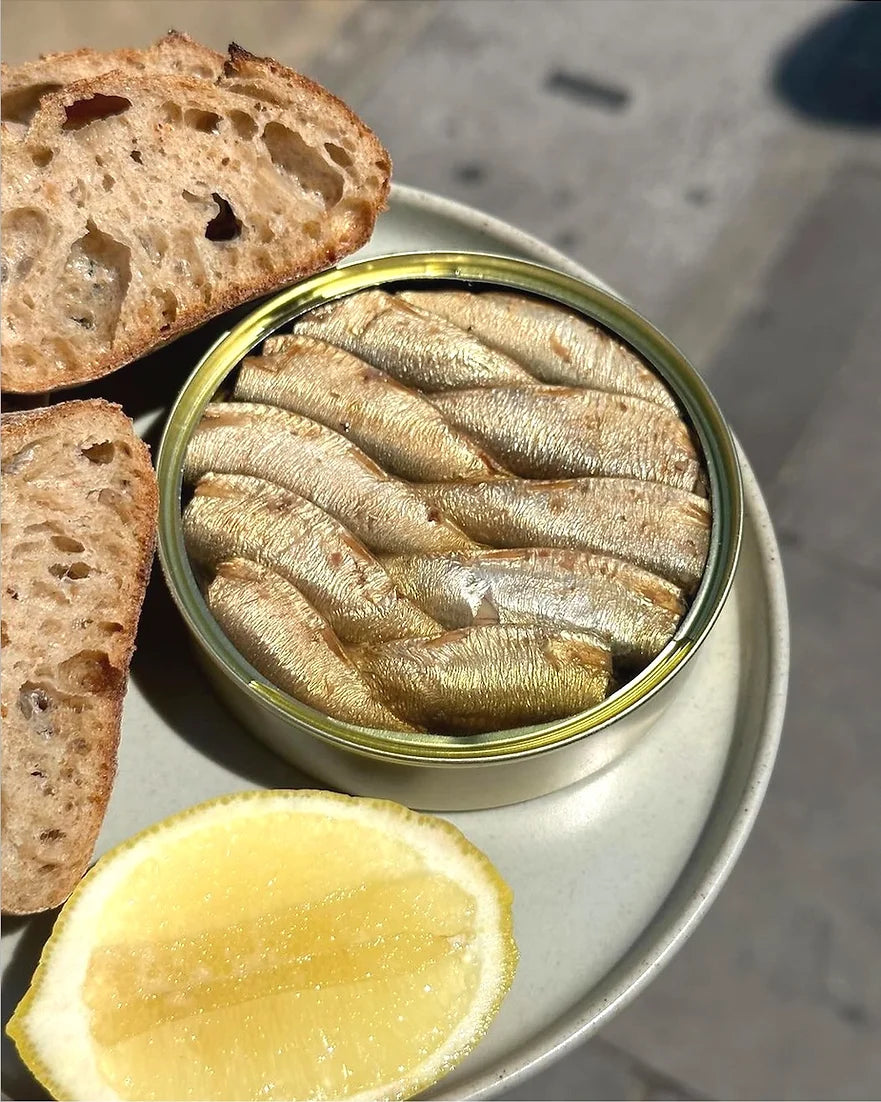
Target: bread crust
(39, 873)
(139, 71)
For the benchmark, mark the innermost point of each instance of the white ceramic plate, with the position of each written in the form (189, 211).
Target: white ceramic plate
(611, 875)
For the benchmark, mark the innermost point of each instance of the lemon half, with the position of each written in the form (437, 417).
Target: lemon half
(272, 945)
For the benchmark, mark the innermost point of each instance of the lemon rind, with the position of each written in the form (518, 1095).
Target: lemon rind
(51, 1020)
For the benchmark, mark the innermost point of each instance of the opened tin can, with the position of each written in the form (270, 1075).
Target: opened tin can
(424, 770)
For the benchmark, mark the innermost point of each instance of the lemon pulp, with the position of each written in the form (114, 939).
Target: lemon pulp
(277, 957)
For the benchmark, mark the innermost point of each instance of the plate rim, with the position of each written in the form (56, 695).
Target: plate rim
(595, 1009)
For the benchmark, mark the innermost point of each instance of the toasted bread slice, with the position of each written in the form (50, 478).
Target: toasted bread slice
(78, 528)
(139, 203)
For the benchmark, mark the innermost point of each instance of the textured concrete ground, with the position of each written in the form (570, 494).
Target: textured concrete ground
(719, 163)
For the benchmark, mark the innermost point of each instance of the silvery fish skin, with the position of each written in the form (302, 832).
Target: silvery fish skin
(634, 611)
(566, 432)
(553, 343)
(319, 464)
(658, 527)
(422, 350)
(234, 516)
(488, 678)
(276, 629)
(396, 426)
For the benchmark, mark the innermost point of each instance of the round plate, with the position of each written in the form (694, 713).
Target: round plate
(610, 876)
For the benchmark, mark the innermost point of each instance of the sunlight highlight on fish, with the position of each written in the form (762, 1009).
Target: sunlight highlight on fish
(420, 349)
(657, 527)
(319, 464)
(396, 426)
(488, 678)
(567, 432)
(276, 629)
(634, 611)
(235, 516)
(555, 344)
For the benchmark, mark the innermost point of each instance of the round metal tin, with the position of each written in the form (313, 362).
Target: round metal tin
(499, 767)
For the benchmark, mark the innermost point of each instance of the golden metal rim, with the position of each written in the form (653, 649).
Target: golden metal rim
(726, 497)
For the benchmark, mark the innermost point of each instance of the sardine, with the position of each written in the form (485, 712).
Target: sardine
(555, 344)
(396, 426)
(319, 464)
(234, 516)
(566, 432)
(487, 678)
(634, 611)
(658, 527)
(276, 629)
(422, 350)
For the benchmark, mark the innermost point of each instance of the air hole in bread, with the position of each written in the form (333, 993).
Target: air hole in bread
(33, 700)
(67, 543)
(79, 193)
(243, 124)
(4, 634)
(136, 157)
(88, 671)
(357, 210)
(95, 280)
(99, 453)
(262, 228)
(255, 91)
(292, 155)
(338, 155)
(112, 499)
(75, 571)
(107, 181)
(26, 547)
(42, 156)
(312, 229)
(205, 121)
(110, 627)
(21, 459)
(171, 112)
(26, 233)
(53, 835)
(83, 112)
(19, 106)
(168, 304)
(154, 243)
(224, 226)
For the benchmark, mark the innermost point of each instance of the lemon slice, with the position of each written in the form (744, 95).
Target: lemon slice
(272, 945)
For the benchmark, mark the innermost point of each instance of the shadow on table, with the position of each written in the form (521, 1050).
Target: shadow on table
(17, 1080)
(832, 74)
(150, 383)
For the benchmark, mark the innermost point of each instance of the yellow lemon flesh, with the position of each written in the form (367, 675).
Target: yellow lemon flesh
(272, 945)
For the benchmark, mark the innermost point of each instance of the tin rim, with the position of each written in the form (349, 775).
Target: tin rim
(485, 271)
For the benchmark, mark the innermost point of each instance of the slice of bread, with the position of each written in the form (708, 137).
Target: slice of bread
(139, 203)
(78, 528)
